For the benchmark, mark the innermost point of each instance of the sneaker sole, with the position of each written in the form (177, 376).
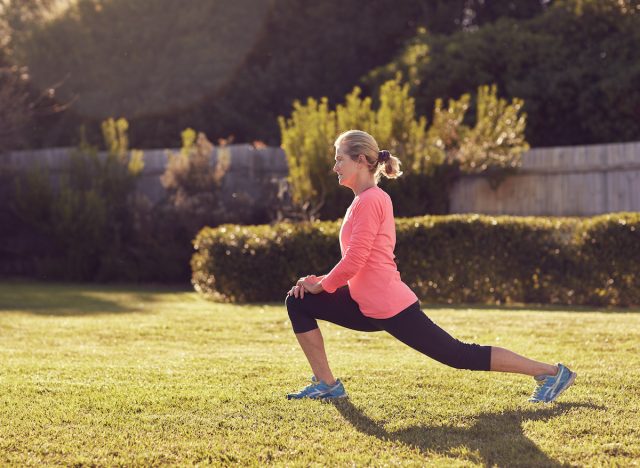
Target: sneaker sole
(318, 398)
(330, 397)
(339, 397)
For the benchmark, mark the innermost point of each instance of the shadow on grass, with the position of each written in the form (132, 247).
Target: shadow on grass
(497, 437)
(66, 299)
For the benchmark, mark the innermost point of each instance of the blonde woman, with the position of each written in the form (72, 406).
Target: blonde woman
(364, 291)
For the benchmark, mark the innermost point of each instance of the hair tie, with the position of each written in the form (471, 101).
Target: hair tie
(383, 156)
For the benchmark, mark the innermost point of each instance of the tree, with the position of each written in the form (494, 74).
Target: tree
(576, 66)
(267, 54)
(17, 15)
(20, 102)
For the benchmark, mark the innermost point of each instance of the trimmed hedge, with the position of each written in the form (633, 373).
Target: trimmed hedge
(445, 259)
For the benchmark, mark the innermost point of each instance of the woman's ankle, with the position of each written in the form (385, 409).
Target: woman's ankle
(326, 378)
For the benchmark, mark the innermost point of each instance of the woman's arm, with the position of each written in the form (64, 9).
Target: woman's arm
(367, 218)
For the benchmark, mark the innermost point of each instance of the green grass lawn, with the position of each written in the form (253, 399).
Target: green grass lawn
(96, 375)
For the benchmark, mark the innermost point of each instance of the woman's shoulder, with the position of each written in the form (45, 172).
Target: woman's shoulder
(375, 197)
(375, 193)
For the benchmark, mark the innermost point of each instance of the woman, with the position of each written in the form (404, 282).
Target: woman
(364, 291)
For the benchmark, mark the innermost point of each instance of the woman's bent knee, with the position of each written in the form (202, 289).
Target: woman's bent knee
(292, 303)
(300, 321)
(292, 309)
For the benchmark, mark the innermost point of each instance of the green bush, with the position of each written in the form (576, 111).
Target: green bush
(252, 263)
(610, 259)
(445, 259)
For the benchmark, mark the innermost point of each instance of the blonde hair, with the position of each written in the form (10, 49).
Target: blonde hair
(357, 142)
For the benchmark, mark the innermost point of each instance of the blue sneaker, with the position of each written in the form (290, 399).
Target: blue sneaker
(318, 390)
(549, 387)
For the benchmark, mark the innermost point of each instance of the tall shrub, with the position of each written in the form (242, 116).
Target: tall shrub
(193, 183)
(307, 139)
(90, 217)
(432, 157)
(493, 146)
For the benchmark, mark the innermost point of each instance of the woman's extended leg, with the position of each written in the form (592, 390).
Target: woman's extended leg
(414, 328)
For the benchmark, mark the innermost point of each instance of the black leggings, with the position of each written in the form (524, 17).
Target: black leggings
(411, 326)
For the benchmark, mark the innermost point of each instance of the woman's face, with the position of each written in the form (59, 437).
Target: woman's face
(346, 168)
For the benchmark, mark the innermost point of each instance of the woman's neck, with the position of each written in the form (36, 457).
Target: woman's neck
(363, 185)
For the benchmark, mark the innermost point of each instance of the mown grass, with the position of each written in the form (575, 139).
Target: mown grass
(96, 375)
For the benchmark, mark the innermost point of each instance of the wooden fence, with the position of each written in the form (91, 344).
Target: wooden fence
(562, 181)
(250, 170)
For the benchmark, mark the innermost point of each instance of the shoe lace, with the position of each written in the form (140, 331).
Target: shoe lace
(309, 387)
(537, 391)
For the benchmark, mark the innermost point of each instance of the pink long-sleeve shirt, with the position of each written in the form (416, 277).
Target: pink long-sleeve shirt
(367, 240)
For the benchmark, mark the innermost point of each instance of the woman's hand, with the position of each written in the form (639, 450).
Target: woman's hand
(296, 291)
(306, 284)
(312, 278)
(312, 286)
